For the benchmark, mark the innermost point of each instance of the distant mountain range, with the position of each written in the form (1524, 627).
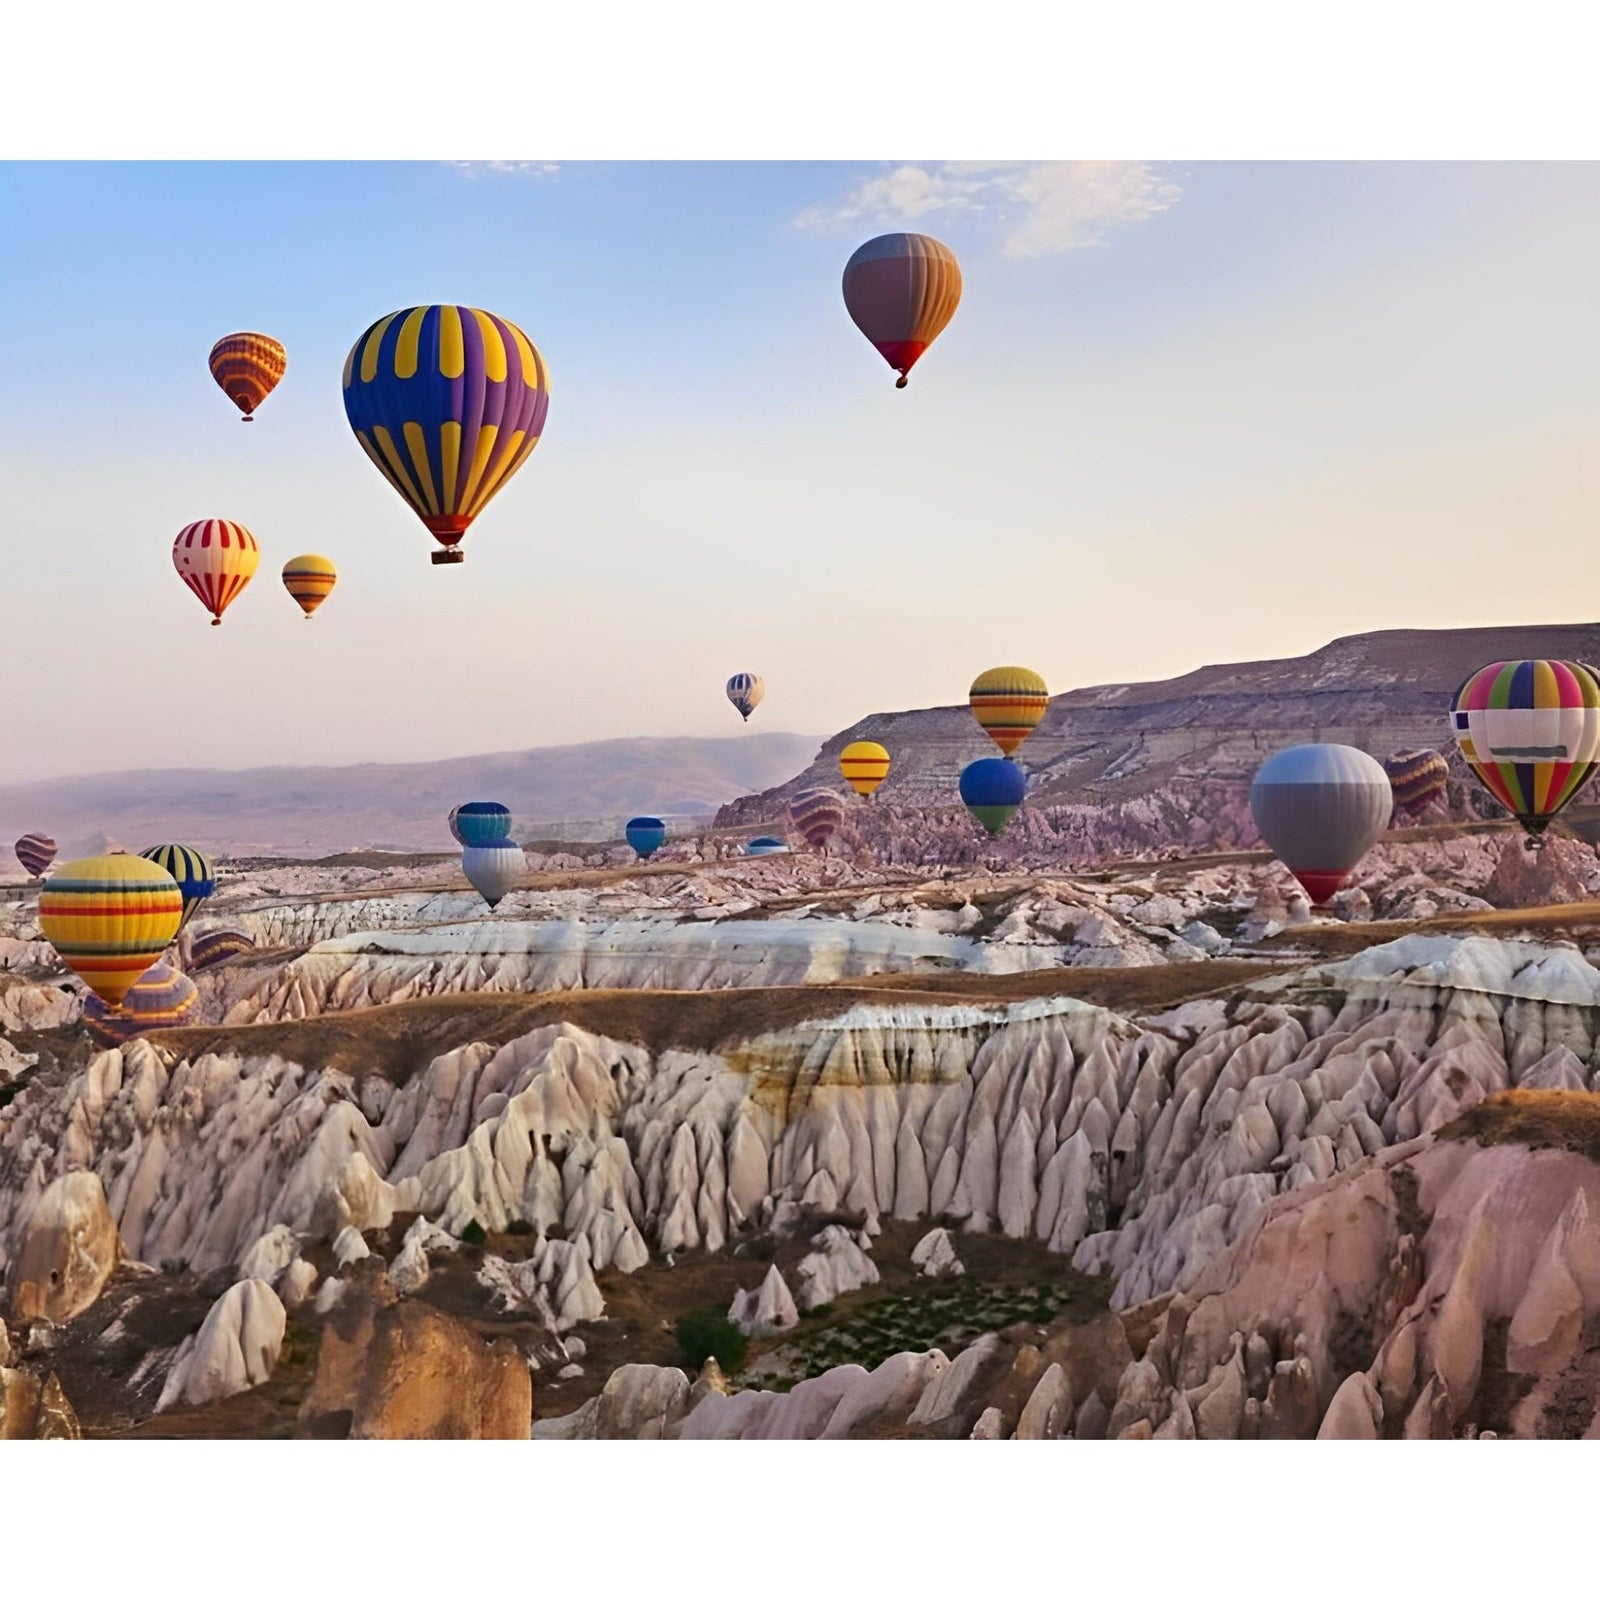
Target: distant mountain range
(579, 791)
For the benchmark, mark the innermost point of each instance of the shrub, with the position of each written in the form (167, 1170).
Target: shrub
(709, 1333)
(473, 1233)
(519, 1225)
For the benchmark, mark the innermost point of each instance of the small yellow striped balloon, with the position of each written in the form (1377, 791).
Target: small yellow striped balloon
(110, 918)
(310, 580)
(1008, 703)
(864, 765)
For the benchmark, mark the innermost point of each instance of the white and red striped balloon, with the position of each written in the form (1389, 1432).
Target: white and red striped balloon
(216, 558)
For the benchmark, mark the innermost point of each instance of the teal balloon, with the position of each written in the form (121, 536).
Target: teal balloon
(646, 835)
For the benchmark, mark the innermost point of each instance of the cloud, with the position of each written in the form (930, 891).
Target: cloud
(1064, 205)
(473, 168)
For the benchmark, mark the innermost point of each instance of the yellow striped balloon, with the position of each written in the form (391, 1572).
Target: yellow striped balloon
(110, 918)
(1008, 703)
(309, 580)
(864, 765)
(246, 367)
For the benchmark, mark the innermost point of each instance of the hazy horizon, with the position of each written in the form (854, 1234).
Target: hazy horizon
(1186, 413)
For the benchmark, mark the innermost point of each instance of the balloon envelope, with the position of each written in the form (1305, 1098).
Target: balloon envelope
(448, 402)
(1530, 731)
(1418, 778)
(815, 815)
(191, 870)
(1319, 807)
(36, 851)
(481, 822)
(162, 998)
(766, 845)
(216, 558)
(1009, 703)
(746, 691)
(110, 918)
(216, 945)
(864, 765)
(493, 869)
(901, 290)
(247, 367)
(992, 790)
(309, 580)
(646, 835)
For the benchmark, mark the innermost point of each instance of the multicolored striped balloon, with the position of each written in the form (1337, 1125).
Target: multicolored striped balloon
(448, 402)
(746, 691)
(110, 918)
(494, 869)
(816, 815)
(646, 835)
(1530, 731)
(216, 558)
(192, 870)
(1009, 703)
(162, 998)
(247, 367)
(901, 290)
(864, 765)
(36, 851)
(216, 945)
(993, 791)
(1418, 778)
(481, 822)
(309, 580)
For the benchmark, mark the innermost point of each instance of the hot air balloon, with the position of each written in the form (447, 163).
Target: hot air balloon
(1008, 703)
(309, 580)
(646, 835)
(1530, 731)
(1418, 778)
(864, 765)
(746, 691)
(216, 559)
(162, 998)
(247, 367)
(36, 851)
(190, 869)
(900, 290)
(481, 822)
(216, 945)
(110, 918)
(455, 831)
(448, 401)
(815, 814)
(992, 790)
(766, 845)
(1319, 807)
(493, 869)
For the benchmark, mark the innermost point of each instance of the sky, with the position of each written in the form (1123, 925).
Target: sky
(1185, 413)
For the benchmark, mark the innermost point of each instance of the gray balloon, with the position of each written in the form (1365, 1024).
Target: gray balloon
(1319, 807)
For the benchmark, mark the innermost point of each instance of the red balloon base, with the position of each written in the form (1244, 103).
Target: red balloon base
(1321, 886)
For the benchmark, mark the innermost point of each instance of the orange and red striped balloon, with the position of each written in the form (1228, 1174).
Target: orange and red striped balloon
(216, 558)
(247, 367)
(309, 580)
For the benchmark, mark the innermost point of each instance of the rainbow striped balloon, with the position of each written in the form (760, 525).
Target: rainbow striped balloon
(162, 998)
(1008, 703)
(216, 558)
(247, 367)
(191, 870)
(110, 918)
(309, 580)
(36, 851)
(216, 945)
(864, 765)
(1530, 731)
(448, 402)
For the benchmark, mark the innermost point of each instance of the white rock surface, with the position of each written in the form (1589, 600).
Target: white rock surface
(236, 1348)
(935, 1254)
(766, 1309)
(835, 1267)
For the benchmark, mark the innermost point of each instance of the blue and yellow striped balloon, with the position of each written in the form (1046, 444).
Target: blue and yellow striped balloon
(448, 401)
(191, 870)
(109, 918)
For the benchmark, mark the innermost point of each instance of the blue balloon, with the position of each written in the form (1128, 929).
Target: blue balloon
(992, 790)
(482, 822)
(766, 845)
(646, 835)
